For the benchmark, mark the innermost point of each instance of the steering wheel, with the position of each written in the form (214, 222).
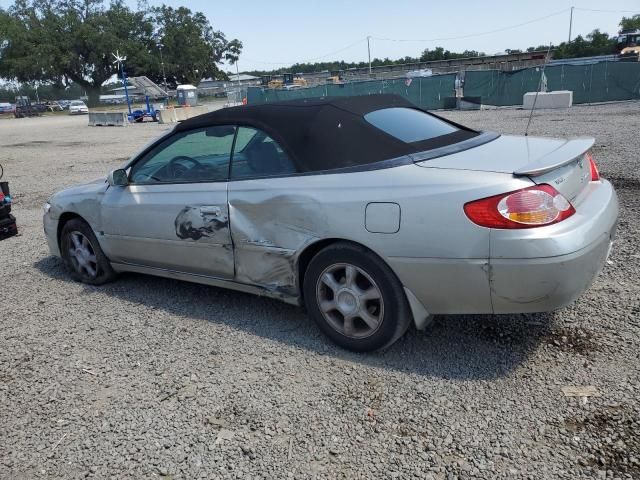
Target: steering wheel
(176, 170)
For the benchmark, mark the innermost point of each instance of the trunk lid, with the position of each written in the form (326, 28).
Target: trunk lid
(560, 163)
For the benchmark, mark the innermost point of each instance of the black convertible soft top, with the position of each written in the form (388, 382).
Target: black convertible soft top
(328, 133)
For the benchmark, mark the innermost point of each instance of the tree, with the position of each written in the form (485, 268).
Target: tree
(72, 40)
(441, 54)
(595, 43)
(631, 23)
(61, 42)
(192, 49)
(232, 56)
(431, 55)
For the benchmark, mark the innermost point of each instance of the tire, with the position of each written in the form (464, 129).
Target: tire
(83, 258)
(355, 298)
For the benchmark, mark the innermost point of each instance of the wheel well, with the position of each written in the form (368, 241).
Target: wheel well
(64, 218)
(312, 250)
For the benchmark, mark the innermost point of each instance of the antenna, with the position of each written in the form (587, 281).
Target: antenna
(535, 99)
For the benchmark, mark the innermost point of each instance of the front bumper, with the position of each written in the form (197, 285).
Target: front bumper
(51, 233)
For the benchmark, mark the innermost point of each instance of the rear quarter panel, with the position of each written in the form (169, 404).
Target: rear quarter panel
(274, 220)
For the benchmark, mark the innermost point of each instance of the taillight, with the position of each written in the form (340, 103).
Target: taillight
(527, 208)
(595, 174)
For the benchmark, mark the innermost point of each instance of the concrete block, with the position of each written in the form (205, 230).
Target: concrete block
(180, 114)
(108, 119)
(470, 103)
(167, 116)
(557, 99)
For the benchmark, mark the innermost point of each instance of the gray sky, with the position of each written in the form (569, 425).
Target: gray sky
(283, 32)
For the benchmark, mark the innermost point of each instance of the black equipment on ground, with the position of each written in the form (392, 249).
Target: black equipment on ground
(8, 226)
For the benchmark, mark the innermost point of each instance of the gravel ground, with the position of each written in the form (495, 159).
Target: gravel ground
(150, 378)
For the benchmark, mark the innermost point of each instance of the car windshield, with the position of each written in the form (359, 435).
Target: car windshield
(77, 103)
(629, 40)
(409, 124)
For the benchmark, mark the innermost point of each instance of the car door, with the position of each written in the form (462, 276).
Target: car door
(173, 214)
(267, 219)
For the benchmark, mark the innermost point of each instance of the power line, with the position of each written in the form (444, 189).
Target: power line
(475, 34)
(607, 11)
(427, 40)
(338, 51)
(351, 45)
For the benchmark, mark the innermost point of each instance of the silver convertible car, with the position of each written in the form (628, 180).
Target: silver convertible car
(367, 210)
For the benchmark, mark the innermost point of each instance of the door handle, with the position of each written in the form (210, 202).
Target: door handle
(211, 210)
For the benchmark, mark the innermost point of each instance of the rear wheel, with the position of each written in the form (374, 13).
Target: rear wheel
(84, 259)
(355, 298)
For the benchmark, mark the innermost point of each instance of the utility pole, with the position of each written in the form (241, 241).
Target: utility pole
(369, 51)
(239, 95)
(570, 23)
(164, 76)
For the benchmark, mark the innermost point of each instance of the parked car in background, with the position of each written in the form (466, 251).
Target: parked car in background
(64, 104)
(6, 108)
(77, 107)
(54, 107)
(370, 211)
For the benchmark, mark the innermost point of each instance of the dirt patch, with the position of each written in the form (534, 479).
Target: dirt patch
(623, 183)
(35, 143)
(609, 439)
(500, 330)
(70, 144)
(573, 340)
(29, 144)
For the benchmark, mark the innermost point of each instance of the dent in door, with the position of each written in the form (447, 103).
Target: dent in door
(270, 234)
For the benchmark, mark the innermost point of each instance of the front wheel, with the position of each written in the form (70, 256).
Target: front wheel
(83, 258)
(355, 298)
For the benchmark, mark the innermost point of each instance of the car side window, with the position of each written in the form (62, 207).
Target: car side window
(199, 155)
(256, 154)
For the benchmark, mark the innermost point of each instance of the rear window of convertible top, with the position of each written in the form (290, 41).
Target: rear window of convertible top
(408, 124)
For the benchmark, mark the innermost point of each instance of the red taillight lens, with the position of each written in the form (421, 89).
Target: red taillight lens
(527, 208)
(595, 174)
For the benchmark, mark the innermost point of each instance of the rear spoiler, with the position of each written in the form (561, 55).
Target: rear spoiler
(569, 152)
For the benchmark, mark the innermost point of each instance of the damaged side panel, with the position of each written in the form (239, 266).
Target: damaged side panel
(181, 227)
(272, 221)
(269, 230)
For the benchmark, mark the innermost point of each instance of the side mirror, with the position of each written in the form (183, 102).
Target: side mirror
(118, 178)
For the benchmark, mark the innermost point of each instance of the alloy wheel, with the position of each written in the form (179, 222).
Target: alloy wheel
(350, 300)
(82, 254)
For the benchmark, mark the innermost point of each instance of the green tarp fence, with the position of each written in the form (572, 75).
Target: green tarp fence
(597, 82)
(426, 92)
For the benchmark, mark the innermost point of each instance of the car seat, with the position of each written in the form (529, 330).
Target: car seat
(264, 159)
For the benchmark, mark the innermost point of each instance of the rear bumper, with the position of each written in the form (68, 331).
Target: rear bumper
(545, 284)
(531, 270)
(547, 268)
